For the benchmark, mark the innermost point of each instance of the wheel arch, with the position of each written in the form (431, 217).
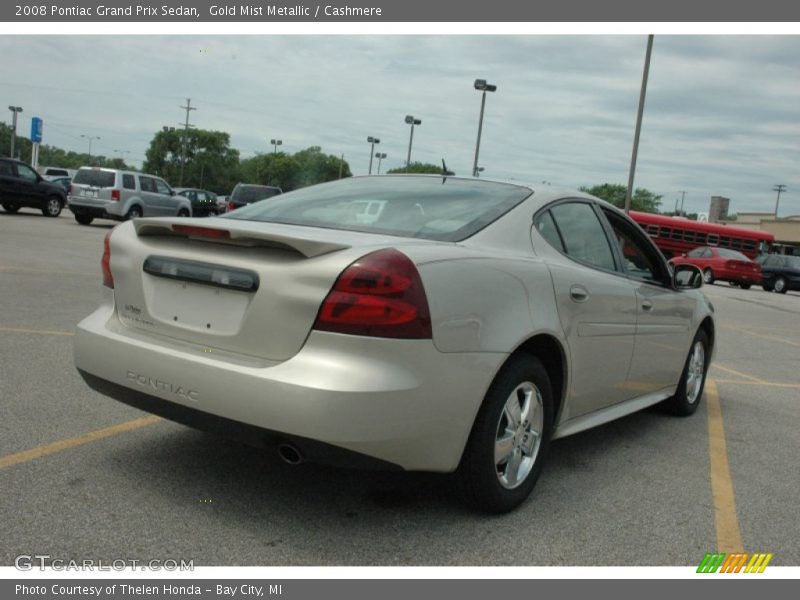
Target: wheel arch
(707, 325)
(553, 356)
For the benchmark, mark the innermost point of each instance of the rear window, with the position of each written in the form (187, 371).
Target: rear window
(95, 178)
(725, 253)
(253, 193)
(432, 208)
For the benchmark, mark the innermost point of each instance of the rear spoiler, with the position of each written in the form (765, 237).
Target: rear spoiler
(234, 233)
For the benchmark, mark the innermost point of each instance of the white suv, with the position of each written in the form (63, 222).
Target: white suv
(97, 193)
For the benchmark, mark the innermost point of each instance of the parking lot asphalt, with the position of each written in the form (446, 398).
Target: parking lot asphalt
(85, 477)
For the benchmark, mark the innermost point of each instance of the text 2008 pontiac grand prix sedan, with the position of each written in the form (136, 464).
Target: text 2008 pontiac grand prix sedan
(461, 330)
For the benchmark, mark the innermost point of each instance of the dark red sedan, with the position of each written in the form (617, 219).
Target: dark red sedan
(723, 264)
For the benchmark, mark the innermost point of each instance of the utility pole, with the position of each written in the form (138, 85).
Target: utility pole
(778, 188)
(642, 93)
(683, 195)
(341, 165)
(186, 126)
(15, 110)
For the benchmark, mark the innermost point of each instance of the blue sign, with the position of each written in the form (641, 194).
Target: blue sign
(36, 130)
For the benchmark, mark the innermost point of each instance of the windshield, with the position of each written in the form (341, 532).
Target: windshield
(95, 177)
(435, 208)
(725, 253)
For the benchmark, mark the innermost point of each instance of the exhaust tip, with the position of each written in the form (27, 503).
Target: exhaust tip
(290, 454)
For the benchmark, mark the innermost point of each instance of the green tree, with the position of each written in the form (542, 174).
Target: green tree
(643, 200)
(210, 161)
(418, 167)
(293, 171)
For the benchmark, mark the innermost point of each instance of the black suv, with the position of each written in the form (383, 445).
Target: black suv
(247, 193)
(21, 186)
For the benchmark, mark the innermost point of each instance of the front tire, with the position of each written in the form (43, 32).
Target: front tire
(780, 285)
(745, 286)
(183, 213)
(509, 439)
(708, 276)
(84, 219)
(52, 207)
(693, 379)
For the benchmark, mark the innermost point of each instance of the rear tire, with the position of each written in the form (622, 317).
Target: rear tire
(183, 213)
(708, 276)
(780, 285)
(693, 379)
(52, 207)
(135, 212)
(84, 219)
(509, 439)
(10, 208)
(767, 287)
(745, 286)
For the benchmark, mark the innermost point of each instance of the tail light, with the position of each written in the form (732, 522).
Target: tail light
(207, 232)
(115, 195)
(231, 206)
(105, 263)
(379, 295)
(69, 189)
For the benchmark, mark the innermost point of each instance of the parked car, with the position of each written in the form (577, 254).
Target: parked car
(21, 186)
(780, 273)
(722, 264)
(51, 172)
(247, 193)
(99, 193)
(449, 335)
(204, 203)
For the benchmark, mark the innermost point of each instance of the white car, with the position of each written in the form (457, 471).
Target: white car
(464, 329)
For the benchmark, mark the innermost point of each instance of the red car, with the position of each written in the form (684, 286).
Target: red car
(722, 264)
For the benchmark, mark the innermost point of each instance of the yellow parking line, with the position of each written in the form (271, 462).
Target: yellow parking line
(734, 372)
(767, 383)
(761, 335)
(34, 331)
(729, 536)
(61, 445)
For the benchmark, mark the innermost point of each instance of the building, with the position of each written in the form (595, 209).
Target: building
(718, 210)
(785, 229)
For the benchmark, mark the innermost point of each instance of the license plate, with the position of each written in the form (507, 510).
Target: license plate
(89, 193)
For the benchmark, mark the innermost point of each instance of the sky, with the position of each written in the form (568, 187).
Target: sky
(722, 114)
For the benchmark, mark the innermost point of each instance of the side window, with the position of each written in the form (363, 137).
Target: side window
(162, 187)
(583, 235)
(696, 253)
(547, 229)
(26, 173)
(200, 196)
(639, 258)
(147, 184)
(5, 168)
(706, 253)
(128, 182)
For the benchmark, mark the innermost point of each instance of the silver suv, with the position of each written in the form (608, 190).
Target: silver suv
(97, 193)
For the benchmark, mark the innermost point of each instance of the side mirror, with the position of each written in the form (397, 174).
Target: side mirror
(686, 277)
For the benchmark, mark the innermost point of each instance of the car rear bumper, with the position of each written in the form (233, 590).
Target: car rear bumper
(383, 402)
(737, 276)
(98, 210)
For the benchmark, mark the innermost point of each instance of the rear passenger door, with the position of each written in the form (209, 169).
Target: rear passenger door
(168, 204)
(147, 186)
(596, 305)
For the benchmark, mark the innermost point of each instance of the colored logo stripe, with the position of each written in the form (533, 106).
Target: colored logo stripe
(733, 563)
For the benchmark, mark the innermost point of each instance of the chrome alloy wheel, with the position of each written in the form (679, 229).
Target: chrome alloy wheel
(708, 277)
(519, 435)
(53, 207)
(696, 372)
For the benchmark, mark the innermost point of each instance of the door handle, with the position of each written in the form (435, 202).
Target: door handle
(578, 293)
(647, 305)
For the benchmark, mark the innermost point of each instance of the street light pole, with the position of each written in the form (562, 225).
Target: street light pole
(778, 188)
(481, 86)
(90, 138)
(410, 120)
(373, 141)
(14, 110)
(380, 156)
(275, 144)
(642, 93)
